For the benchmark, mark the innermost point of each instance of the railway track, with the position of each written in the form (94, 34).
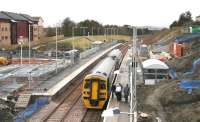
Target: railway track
(68, 107)
(80, 114)
(61, 105)
(92, 116)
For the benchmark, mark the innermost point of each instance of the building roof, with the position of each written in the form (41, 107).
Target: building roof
(197, 16)
(18, 17)
(154, 64)
(15, 16)
(187, 38)
(3, 16)
(28, 17)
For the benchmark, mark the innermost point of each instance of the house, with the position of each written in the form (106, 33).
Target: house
(198, 18)
(31, 25)
(16, 26)
(38, 30)
(5, 29)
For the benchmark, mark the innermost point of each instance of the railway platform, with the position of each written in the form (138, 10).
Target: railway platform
(123, 78)
(72, 74)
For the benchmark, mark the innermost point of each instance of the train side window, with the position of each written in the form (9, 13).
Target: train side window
(102, 85)
(87, 85)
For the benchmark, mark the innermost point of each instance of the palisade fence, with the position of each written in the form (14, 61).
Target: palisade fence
(42, 71)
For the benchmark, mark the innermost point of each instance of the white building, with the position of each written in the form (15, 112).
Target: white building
(198, 18)
(154, 71)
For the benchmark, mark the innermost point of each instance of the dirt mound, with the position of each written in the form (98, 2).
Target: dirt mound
(163, 34)
(183, 63)
(180, 106)
(6, 116)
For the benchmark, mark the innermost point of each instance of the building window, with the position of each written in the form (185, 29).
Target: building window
(2, 37)
(2, 29)
(6, 29)
(6, 37)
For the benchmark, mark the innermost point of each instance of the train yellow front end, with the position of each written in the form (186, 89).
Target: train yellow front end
(97, 84)
(94, 91)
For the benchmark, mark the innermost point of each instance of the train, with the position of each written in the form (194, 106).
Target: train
(96, 86)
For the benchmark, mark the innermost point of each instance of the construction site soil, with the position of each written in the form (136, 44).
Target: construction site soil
(166, 101)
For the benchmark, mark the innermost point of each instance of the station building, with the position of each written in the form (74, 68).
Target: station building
(154, 71)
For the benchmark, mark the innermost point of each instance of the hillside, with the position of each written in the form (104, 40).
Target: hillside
(164, 34)
(80, 43)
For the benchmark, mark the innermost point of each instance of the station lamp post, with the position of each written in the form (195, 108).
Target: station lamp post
(73, 38)
(114, 111)
(73, 46)
(133, 80)
(21, 42)
(83, 30)
(133, 105)
(56, 47)
(107, 32)
(29, 40)
(56, 26)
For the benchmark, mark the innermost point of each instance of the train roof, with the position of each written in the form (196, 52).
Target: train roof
(115, 53)
(104, 68)
(71, 51)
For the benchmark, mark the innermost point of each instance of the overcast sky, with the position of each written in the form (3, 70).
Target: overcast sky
(133, 12)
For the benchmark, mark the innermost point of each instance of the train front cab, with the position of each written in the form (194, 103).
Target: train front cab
(94, 92)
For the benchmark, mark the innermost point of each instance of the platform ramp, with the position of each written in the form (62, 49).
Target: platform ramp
(23, 100)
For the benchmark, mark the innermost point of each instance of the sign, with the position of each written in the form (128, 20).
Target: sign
(196, 29)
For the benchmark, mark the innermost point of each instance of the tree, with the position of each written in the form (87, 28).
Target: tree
(174, 24)
(50, 31)
(92, 26)
(185, 19)
(67, 26)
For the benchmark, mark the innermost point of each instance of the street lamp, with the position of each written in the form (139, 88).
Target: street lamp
(114, 111)
(92, 32)
(57, 46)
(29, 40)
(21, 42)
(73, 47)
(56, 49)
(111, 112)
(83, 30)
(133, 101)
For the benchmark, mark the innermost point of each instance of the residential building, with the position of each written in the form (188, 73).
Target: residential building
(5, 27)
(38, 30)
(198, 18)
(15, 26)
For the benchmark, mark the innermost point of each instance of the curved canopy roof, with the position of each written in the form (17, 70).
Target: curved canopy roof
(154, 64)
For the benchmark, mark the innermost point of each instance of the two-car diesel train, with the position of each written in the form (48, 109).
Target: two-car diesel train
(97, 84)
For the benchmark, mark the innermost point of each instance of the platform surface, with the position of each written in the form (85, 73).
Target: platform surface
(123, 78)
(72, 75)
